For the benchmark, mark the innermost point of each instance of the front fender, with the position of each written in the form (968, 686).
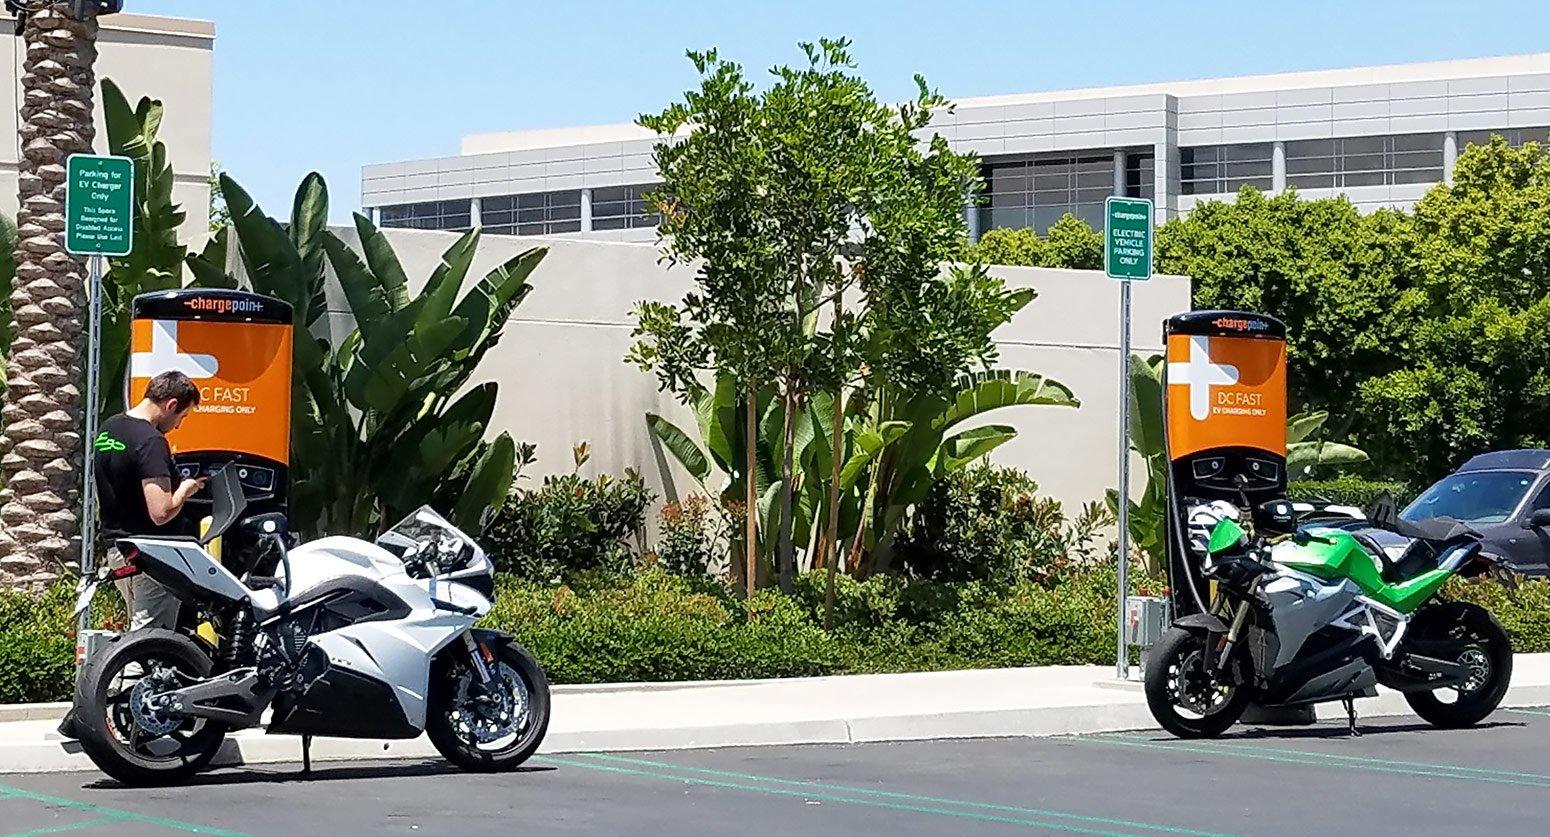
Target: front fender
(1201, 623)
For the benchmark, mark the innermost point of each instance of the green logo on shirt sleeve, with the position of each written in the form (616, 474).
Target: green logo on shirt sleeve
(108, 443)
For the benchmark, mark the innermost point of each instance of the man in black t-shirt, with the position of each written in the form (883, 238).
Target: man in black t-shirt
(134, 477)
(133, 470)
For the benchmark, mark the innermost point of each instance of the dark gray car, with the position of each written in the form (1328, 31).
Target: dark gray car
(1503, 495)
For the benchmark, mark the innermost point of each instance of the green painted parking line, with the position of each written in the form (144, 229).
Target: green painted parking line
(1528, 712)
(116, 814)
(1238, 745)
(1258, 756)
(829, 797)
(936, 800)
(57, 829)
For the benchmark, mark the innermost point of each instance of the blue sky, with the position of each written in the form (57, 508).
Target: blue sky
(330, 85)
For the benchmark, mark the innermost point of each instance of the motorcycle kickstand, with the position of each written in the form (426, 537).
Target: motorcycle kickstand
(306, 755)
(1350, 714)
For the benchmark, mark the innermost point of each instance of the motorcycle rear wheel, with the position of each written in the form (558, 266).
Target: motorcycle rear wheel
(517, 708)
(1177, 682)
(1488, 651)
(122, 732)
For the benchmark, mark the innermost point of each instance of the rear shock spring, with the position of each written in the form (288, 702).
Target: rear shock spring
(242, 633)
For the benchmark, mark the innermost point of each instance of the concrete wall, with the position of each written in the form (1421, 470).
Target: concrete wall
(164, 58)
(564, 379)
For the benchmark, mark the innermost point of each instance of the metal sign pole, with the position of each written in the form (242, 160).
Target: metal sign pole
(1122, 660)
(93, 364)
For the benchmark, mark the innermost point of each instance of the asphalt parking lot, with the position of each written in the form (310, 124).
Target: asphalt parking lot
(1399, 777)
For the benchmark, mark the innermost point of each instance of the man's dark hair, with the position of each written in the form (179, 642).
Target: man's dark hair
(170, 385)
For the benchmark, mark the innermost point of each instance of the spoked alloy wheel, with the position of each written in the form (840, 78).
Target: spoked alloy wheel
(1484, 648)
(127, 729)
(493, 726)
(1184, 692)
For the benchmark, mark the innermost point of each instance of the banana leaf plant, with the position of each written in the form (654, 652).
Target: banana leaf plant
(1147, 529)
(380, 424)
(717, 460)
(157, 259)
(909, 444)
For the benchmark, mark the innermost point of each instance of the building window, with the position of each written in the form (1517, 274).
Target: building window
(624, 207)
(435, 215)
(1515, 137)
(1035, 193)
(1224, 169)
(537, 213)
(1364, 161)
(1139, 179)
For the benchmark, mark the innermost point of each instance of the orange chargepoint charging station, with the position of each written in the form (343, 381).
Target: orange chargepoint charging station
(236, 347)
(1225, 397)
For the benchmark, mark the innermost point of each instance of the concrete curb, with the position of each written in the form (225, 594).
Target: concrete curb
(1005, 703)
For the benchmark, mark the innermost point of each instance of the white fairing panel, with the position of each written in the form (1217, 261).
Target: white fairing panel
(1301, 604)
(191, 561)
(400, 653)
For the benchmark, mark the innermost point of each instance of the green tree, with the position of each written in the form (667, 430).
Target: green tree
(790, 198)
(1477, 370)
(1342, 282)
(1070, 243)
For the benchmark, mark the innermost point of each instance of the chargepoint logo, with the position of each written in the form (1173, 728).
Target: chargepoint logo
(1200, 375)
(224, 306)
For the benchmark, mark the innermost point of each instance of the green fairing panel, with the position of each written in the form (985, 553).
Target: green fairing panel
(1225, 535)
(1409, 595)
(1338, 555)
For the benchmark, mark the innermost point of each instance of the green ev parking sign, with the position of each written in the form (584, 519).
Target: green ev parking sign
(1127, 238)
(99, 205)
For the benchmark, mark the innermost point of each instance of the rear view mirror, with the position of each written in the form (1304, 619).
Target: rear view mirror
(1540, 519)
(1277, 516)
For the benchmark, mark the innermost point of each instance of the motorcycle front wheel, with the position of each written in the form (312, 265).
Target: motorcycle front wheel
(123, 729)
(1184, 694)
(495, 726)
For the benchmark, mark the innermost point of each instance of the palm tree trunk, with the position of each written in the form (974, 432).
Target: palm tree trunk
(42, 415)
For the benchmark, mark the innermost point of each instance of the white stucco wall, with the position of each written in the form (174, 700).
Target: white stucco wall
(564, 380)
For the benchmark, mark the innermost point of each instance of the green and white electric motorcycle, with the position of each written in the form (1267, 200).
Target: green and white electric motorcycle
(1312, 614)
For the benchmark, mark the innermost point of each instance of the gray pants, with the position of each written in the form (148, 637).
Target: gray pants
(150, 605)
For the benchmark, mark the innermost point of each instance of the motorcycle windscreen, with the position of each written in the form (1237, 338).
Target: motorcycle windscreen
(1225, 393)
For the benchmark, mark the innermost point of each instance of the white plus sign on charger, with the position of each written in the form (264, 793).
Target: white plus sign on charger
(1200, 374)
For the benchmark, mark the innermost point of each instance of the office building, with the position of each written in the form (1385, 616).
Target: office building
(1380, 135)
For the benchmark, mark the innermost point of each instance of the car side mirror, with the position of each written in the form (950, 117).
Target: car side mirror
(1540, 519)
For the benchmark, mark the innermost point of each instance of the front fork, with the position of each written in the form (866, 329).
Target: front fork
(480, 655)
(1233, 632)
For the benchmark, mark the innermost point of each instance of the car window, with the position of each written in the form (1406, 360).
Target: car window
(1543, 500)
(1472, 497)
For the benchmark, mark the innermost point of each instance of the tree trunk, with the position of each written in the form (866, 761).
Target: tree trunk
(833, 540)
(751, 442)
(787, 551)
(45, 371)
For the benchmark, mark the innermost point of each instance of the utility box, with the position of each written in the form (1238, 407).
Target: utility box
(236, 346)
(1146, 617)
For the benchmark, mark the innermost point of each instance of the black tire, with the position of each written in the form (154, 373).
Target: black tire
(194, 743)
(1489, 651)
(1180, 655)
(441, 728)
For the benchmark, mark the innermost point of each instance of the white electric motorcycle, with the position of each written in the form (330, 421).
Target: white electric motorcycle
(354, 640)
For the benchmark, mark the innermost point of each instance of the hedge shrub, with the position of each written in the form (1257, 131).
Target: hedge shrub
(657, 626)
(1350, 491)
